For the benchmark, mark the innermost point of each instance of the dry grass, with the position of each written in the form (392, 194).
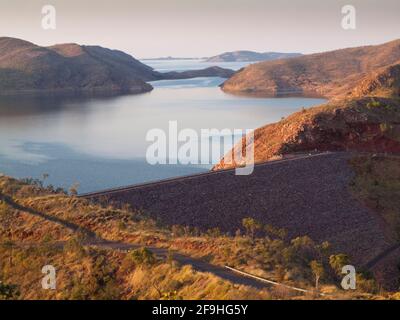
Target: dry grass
(377, 184)
(105, 274)
(98, 274)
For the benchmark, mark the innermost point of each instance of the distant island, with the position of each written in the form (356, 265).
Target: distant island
(244, 56)
(28, 68)
(207, 72)
(171, 58)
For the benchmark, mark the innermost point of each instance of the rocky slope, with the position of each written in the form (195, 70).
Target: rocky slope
(330, 74)
(364, 118)
(384, 82)
(367, 124)
(25, 66)
(241, 56)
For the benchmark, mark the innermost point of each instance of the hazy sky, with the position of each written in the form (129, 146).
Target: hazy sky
(152, 28)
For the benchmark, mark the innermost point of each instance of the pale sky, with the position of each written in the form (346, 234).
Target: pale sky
(197, 28)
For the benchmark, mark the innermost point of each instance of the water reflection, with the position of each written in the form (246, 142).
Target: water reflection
(67, 135)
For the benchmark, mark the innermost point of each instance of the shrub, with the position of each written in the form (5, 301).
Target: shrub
(8, 292)
(280, 233)
(178, 230)
(73, 190)
(171, 295)
(338, 261)
(366, 282)
(214, 232)
(251, 226)
(74, 245)
(373, 104)
(4, 209)
(143, 257)
(122, 225)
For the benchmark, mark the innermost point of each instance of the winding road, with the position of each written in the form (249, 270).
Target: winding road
(95, 241)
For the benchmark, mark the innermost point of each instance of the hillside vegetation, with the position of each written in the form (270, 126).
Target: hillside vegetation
(39, 226)
(329, 74)
(377, 184)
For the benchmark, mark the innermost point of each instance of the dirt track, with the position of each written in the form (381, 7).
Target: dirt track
(93, 240)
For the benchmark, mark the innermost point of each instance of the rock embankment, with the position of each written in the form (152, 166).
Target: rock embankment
(306, 196)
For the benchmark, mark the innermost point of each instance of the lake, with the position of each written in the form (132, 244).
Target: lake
(101, 142)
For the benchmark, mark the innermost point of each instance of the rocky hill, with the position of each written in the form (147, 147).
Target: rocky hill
(330, 74)
(25, 66)
(367, 124)
(363, 115)
(242, 56)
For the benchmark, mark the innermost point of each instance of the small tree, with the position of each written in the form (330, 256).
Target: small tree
(9, 245)
(8, 292)
(73, 190)
(170, 257)
(252, 226)
(4, 209)
(318, 271)
(75, 246)
(177, 230)
(214, 232)
(338, 261)
(280, 233)
(143, 256)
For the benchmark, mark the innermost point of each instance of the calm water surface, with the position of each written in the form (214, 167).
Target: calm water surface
(100, 142)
